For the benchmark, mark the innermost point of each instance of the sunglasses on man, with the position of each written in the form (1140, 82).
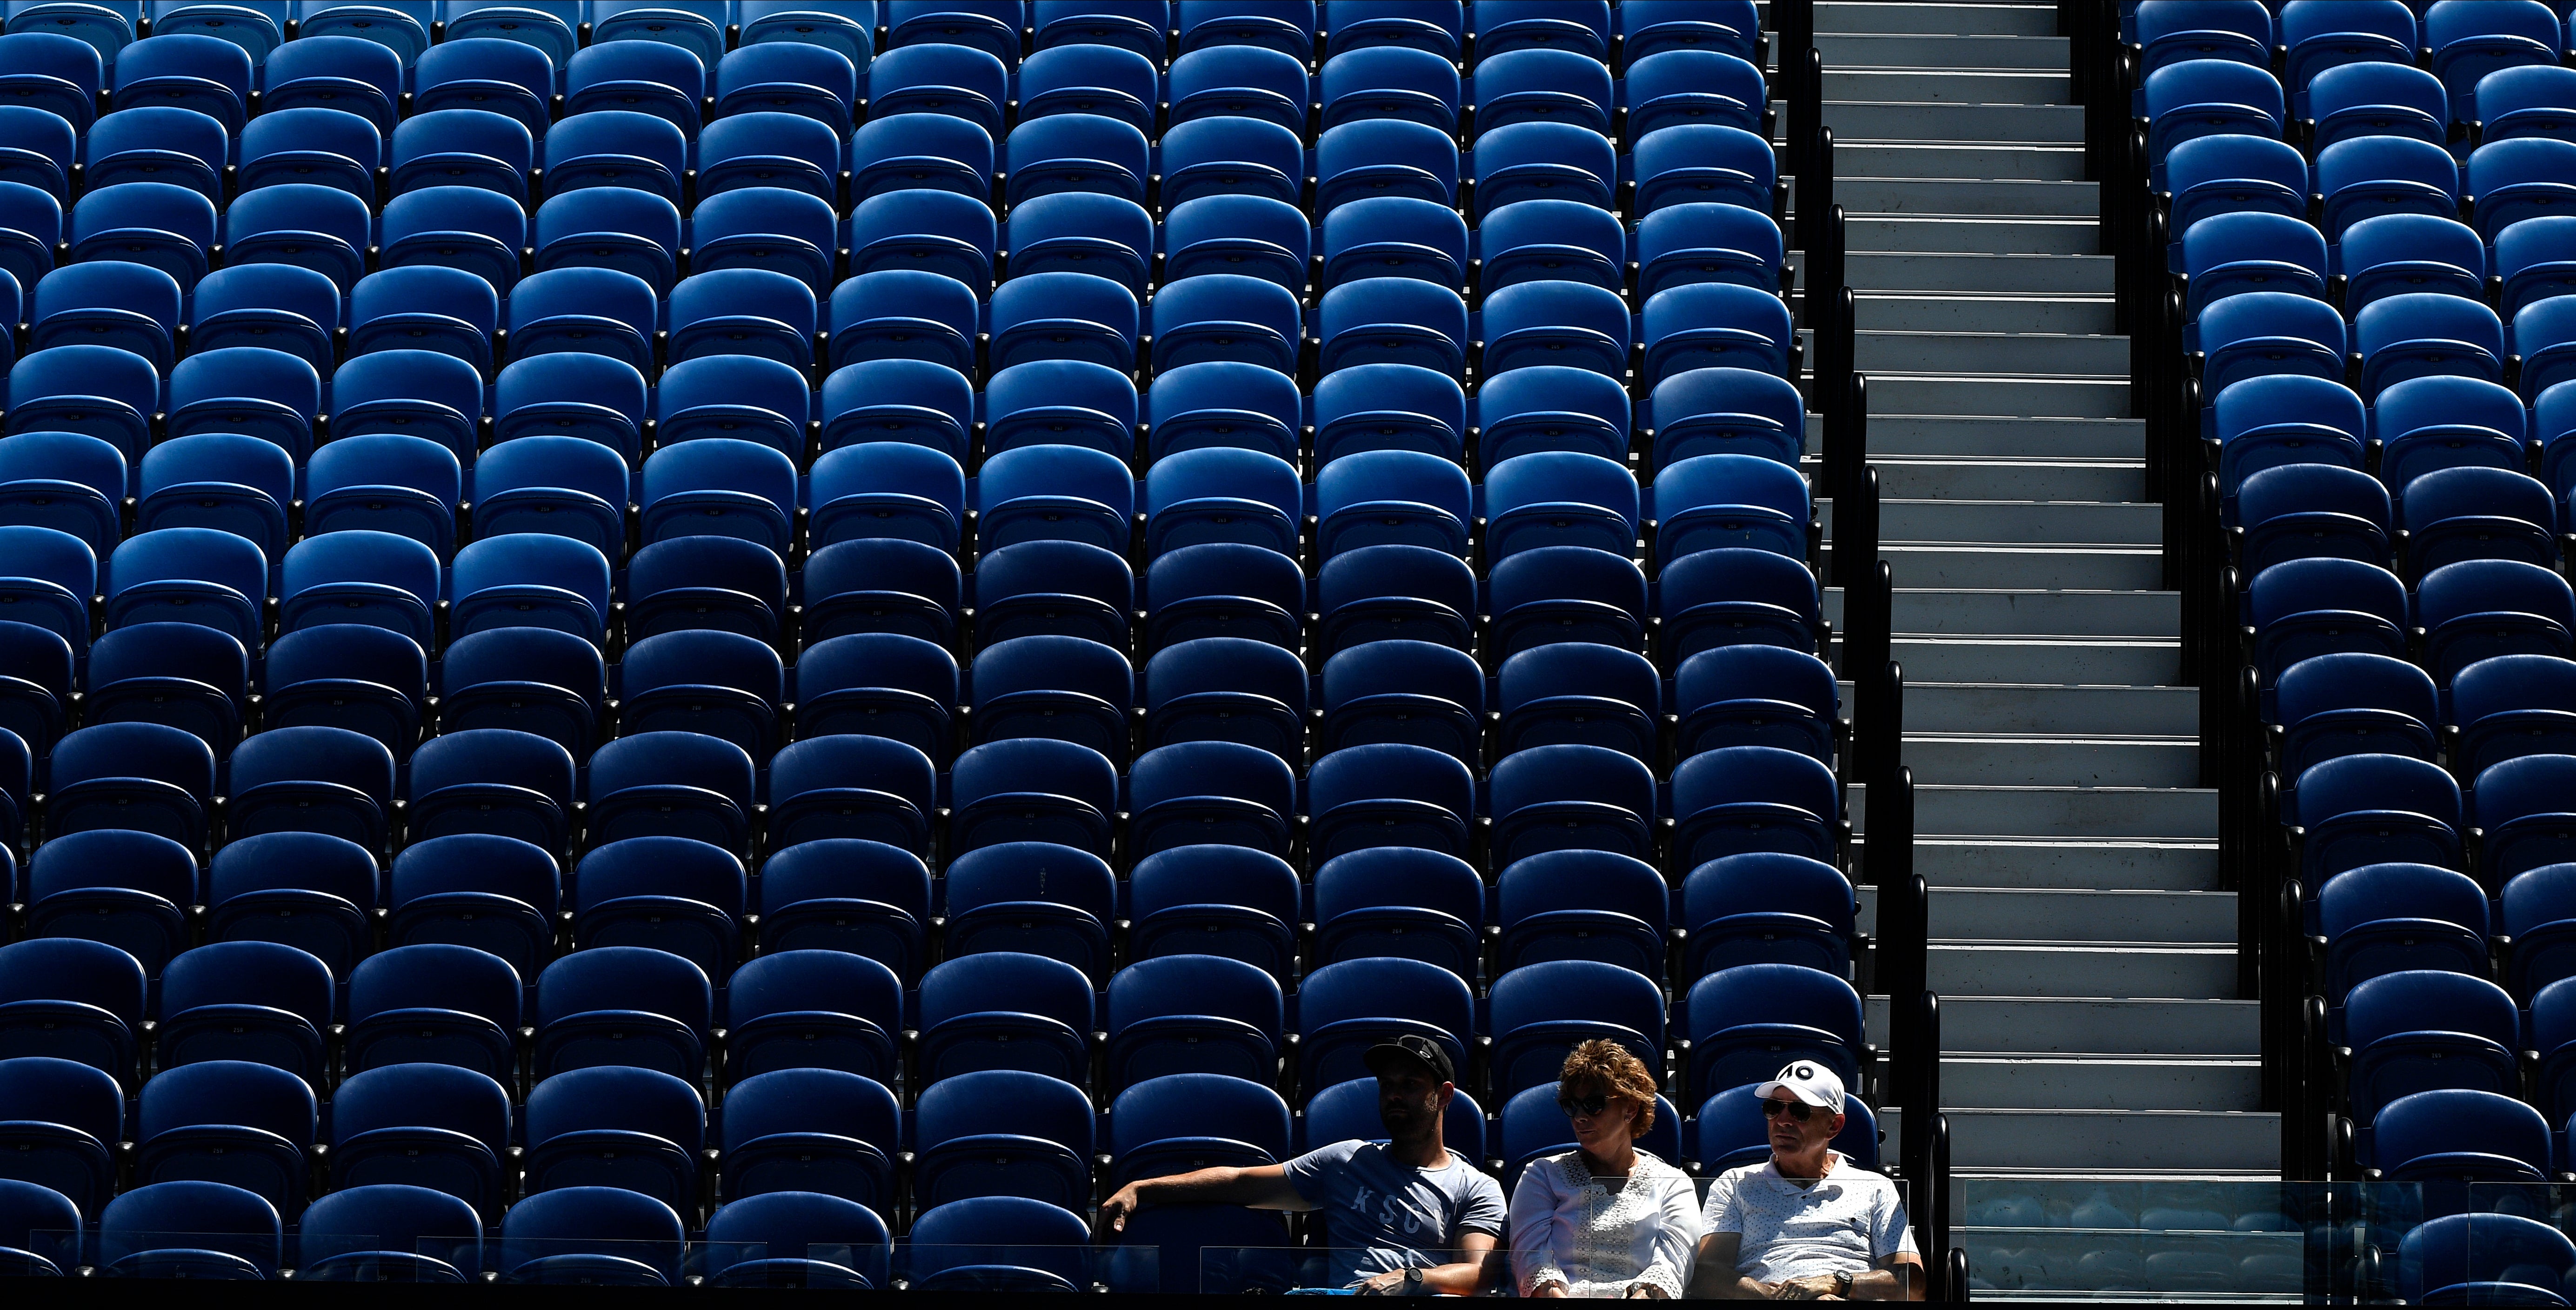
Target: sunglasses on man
(1798, 1110)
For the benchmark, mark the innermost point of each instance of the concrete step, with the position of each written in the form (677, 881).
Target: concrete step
(2038, 236)
(2051, 708)
(2031, 760)
(2036, 566)
(1941, 51)
(2101, 522)
(1898, 195)
(2020, 1082)
(1964, 311)
(2007, 913)
(2142, 661)
(2052, 275)
(2051, 1024)
(1991, 613)
(2090, 1141)
(2001, 395)
(1916, 477)
(1987, 19)
(1948, 436)
(1984, 161)
(2186, 971)
(2024, 87)
(1876, 352)
(2057, 812)
(1935, 120)
(2114, 863)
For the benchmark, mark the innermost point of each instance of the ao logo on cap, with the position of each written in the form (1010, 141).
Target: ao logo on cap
(1802, 1071)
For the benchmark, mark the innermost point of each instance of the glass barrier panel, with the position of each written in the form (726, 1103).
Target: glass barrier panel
(1002, 1267)
(2502, 1244)
(583, 1262)
(2213, 1240)
(1242, 1270)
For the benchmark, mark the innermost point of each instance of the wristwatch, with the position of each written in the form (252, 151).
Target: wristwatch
(1413, 1280)
(1843, 1285)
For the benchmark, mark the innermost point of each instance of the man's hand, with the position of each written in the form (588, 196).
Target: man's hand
(1390, 1283)
(1814, 1287)
(1114, 1212)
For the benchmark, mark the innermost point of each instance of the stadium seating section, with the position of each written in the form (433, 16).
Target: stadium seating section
(783, 624)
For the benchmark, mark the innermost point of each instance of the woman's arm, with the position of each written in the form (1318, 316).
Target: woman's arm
(1533, 1248)
(1672, 1231)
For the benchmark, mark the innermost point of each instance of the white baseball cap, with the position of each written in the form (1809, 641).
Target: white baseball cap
(1808, 1081)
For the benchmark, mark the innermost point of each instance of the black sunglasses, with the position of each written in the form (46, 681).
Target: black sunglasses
(1586, 1106)
(1798, 1110)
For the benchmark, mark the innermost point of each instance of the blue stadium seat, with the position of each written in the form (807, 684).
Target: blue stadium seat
(144, 777)
(1395, 82)
(804, 1239)
(2354, 704)
(1210, 791)
(1711, 325)
(445, 1003)
(1213, 148)
(157, 224)
(35, 688)
(905, 317)
(999, 1244)
(1540, 1011)
(848, 895)
(1032, 789)
(2312, 607)
(924, 230)
(812, 1009)
(1238, 81)
(461, 227)
(1541, 85)
(2387, 918)
(617, 147)
(2302, 511)
(1042, 1154)
(281, 306)
(2483, 1256)
(1223, 589)
(2399, 253)
(62, 75)
(1551, 160)
(1360, 24)
(591, 1236)
(790, 77)
(1794, 705)
(388, 1233)
(672, 784)
(667, 893)
(1193, 1014)
(1053, 588)
(41, 150)
(1579, 693)
(1091, 77)
(495, 893)
(881, 585)
(246, 1002)
(314, 892)
(1582, 905)
(1415, 692)
(574, 307)
(2470, 41)
(2252, 250)
(204, 73)
(323, 147)
(1075, 152)
(535, 680)
(665, 80)
(1753, 798)
(2228, 29)
(1541, 240)
(233, 1234)
(2421, 1030)
(1054, 493)
(2511, 706)
(2477, 513)
(1069, 231)
(628, 1128)
(811, 1130)
(1395, 902)
(1032, 898)
(1345, 1008)
(742, 311)
(132, 307)
(425, 307)
(1187, 1121)
(1198, 497)
(62, 1120)
(1389, 795)
(2480, 608)
(545, 24)
(1571, 797)
(2374, 809)
(325, 70)
(1391, 497)
(227, 1121)
(622, 1005)
(2536, 916)
(71, 999)
(959, 81)
(1229, 689)
(31, 227)
(2518, 807)
(2205, 97)
(1243, 232)
(1383, 157)
(2364, 177)
(361, 576)
(1546, 408)
(248, 390)
(1223, 316)
(883, 684)
(721, 583)
(1064, 688)
(1063, 402)
(457, 146)
(2323, 37)
(400, 26)
(1138, 25)
(999, 1010)
(178, 674)
(2284, 418)
(2543, 334)
(1701, 86)
(1232, 901)
(1694, 162)
(1223, 404)
(53, 576)
(1760, 1016)
(1582, 26)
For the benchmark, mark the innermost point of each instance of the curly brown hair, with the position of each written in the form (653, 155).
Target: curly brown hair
(1609, 1066)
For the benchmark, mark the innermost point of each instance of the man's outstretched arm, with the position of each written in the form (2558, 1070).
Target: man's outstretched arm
(1263, 1188)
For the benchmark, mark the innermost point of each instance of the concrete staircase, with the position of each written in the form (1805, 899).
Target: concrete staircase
(2087, 965)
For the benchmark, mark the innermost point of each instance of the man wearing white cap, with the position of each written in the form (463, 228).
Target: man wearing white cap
(1806, 1224)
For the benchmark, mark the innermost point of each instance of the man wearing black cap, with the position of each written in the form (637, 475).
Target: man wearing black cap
(1405, 1217)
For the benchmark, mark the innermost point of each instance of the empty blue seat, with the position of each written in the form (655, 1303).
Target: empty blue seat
(937, 78)
(1391, 497)
(530, 580)
(2205, 97)
(684, 785)
(621, 148)
(772, 228)
(721, 684)
(2323, 37)
(177, 674)
(743, 311)
(1062, 493)
(849, 785)
(425, 307)
(492, 780)
(325, 70)
(1223, 589)
(1752, 798)
(2421, 1030)
(1043, 1154)
(52, 576)
(1757, 696)
(157, 224)
(1238, 84)
(1193, 1014)
(2524, 100)
(1058, 687)
(999, 1244)
(591, 1236)
(1060, 402)
(1391, 82)
(1256, 235)
(646, 77)
(1574, 593)
(399, 26)
(324, 147)
(1223, 404)
(849, 896)
(1232, 153)
(233, 1234)
(811, 1131)
(2375, 809)
(545, 24)
(1032, 789)
(361, 576)
(230, 1122)
(403, 485)
(248, 390)
(881, 585)
(1694, 162)
(812, 1009)
(146, 777)
(1387, 157)
(122, 888)
(71, 999)
(1415, 692)
(2360, 99)
(62, 1119)
(156, 143)
(312, 779)
(2480, 608)
(2314, 606)
(2384, 918)
(1395, 902)
(622, 1005)
(1571, 797)
(436, 1004)
(246, 1002)
(791, 77)
(2510, 706)
(2470, 41)
(2368, 176)
(720, 486)
(1234, 689)
(1345, 1008)
(35, 688)
(2425, 334)
(2394, 254)
(884, 684)
(1212, 317)
(307, 890)
(1199, 497)
(2477, 513)
(62, 75)
(1083, 232)
(1088, 77)
(635, 1129)
(2262, 333)
(897, 314)
(1390, 794)
(65, 481)
(31, 226)
(1553, 160)
(1542, 240)
(1760, 1016)
(2277, 419)
(1540, 1011)
(280, 306)
(389, 1232)
(806, 1240)
(1033, 898)
(132, 307)
(1224, 900)
(305, 226)
(204, 73)
(460, 227)
(457, 145)
(2543, 334)
(1370, 593)
(1582, 905)
(1001, 1010)
(2480, 1255)
(494, 894)
(1713, 325)
(41, 150)
(2518, 806)
(896, 489)
(1580, 693)
(1053, 588)
(667, 893)
(1076, 152)
(2303, 511)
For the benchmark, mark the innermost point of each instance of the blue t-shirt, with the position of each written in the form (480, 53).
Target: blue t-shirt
(1382, 1214)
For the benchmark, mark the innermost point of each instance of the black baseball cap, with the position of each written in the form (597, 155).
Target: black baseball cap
(1415, 1049)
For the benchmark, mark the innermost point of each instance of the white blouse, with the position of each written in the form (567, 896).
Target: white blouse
(1568, 1229)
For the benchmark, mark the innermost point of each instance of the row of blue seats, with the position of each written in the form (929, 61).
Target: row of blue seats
(1008, 29)
(2461, 43)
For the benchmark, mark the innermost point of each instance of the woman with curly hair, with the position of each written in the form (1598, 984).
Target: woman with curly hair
(1604, 1219)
